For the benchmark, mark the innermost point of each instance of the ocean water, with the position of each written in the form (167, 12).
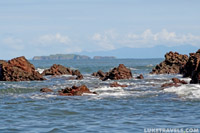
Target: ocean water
(143, 104)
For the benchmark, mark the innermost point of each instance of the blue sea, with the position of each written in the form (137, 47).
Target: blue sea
(141, 106)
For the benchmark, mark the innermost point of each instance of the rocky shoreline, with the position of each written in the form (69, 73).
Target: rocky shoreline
(20, 69)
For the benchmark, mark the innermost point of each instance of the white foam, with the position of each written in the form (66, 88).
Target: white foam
(190, 91)
(40, 70)
(150, 65)
(132, 68)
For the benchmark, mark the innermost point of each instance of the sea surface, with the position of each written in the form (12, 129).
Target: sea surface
(141, 105)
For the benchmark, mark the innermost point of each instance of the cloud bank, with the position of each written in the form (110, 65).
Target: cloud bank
(146, 39)
(100, 41)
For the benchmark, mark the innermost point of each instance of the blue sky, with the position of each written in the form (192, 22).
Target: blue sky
(43, 27)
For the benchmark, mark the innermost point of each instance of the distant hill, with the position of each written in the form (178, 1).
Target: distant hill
(61, 57)
(153, 52)
(71, 57)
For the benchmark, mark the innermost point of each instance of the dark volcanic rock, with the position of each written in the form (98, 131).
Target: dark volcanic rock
(173, 63)
(19, 69)
(79, 77)
(140, 77)
(99, 74)
(120, 72)
(78, 74)
(75, 91)
(115, 84)
(45, 90)
(192, 67)
(62, 70)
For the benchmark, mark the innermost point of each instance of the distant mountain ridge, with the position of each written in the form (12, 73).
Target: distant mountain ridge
(152, 52)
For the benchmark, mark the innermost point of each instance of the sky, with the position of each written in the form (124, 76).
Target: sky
(43, 27)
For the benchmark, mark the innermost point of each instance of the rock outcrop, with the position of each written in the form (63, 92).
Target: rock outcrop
(75, 91)
(174, 63)
(18, 69)
(115, 84)
(120, 72)
(62, 70)
(192, 67)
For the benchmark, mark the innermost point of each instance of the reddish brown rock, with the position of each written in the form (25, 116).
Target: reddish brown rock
(115, 84)
(45, 90)
(120, 72)
(140, 77)
(75, 91)
(62, 70)
(57, 70)
(173, 63)
(19, 69)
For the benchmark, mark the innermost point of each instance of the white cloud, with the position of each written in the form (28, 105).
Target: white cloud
(149, 39)
(58, 43)
(97, 37)
(56, 38)
(105, 41)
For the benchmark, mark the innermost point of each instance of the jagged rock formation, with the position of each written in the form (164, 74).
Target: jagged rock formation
(173, 63)
(18, 69)
(62, 70)
(120, 72)
(192, 67)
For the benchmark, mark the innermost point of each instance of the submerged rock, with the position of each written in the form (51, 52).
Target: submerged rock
(170, 85)
(176, 83)
(140, 77)
(45, 90)
(75, 91)
(18, 69)
(62, 70)
(174, 63)
(115, 84)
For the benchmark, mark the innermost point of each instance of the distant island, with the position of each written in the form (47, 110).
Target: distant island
(103, 57)
(71, 57)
